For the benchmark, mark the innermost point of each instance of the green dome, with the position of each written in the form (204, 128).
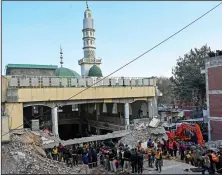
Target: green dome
(95, 71)
(65, 72)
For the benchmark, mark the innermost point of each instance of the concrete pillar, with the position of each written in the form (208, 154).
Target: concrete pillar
(126, 115)
(89, 128)
(97, 111)
(155, 107)
(150, 109)
(55, 128)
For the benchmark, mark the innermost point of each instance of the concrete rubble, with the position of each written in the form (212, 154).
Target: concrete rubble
(114, 134)
(141, 131)
(24, 155)
(214, 145)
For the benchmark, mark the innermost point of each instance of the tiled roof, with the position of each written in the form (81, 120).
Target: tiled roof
(31, 66)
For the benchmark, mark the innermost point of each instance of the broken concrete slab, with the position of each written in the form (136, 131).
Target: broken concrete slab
(154, 122)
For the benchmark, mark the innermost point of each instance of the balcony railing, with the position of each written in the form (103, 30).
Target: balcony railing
(84, 60)
(44, 82)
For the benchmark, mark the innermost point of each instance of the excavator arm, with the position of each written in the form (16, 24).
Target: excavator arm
(188, 127)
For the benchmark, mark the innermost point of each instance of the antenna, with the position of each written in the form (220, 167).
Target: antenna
(87, 5)
(61, 56)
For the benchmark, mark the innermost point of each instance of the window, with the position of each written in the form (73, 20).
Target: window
(89, 15)
(91, 42)
(90, 33)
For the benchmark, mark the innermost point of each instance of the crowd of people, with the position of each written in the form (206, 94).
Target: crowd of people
(119, 157)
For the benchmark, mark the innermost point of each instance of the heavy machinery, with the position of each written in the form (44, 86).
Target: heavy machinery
(185, 132)
(189, 132)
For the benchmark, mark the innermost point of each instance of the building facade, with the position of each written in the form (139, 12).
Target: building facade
(213, 73)
(70, 104)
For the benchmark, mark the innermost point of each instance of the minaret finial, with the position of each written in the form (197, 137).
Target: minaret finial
(87, 5)
(61, 56)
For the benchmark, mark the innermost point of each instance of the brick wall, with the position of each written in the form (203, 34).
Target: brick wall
(215, 101)
(216, 130)
(215, 78)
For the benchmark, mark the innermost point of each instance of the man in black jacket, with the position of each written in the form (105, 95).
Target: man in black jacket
(134, 160)
(111, 161)
(127, 157)
(140, 162)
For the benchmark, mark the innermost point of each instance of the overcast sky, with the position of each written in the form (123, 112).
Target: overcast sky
(33, 31)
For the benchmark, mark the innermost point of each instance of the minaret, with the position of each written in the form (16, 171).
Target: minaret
(89, 48)
(61, 56)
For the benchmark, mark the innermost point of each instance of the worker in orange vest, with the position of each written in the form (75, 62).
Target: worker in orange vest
(215, 161)
(170, 147)
(139, 147)
(159, 160)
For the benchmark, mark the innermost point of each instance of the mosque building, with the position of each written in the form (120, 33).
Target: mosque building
(71, 104)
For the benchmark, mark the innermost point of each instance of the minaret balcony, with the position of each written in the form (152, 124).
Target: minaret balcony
(90, 61)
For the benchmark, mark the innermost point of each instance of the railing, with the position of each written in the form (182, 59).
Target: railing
(44, 82)
(98, 61)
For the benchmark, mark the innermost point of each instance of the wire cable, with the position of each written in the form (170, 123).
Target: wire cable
(157, 45)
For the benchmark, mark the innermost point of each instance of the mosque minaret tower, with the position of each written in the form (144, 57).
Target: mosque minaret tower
(89, 60)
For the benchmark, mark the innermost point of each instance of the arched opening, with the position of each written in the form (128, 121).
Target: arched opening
(69, 122)
(37, 112)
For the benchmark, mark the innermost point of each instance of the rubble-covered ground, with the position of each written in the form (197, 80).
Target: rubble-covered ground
(214, 145)
(141, 131)
(24, 155)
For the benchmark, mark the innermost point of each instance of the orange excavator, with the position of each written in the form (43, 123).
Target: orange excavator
(186, 130)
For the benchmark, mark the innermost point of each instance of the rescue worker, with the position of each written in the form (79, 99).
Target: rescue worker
(140, 163)
(220, 163)
(70, 158)
(188, 157)
(94, 157)
(121, 157)
(75, 156)
(134, 160)
(127, 158)
(170, 148)
(215, 160)
(153, 153)
(149, 155)
(175, 148)
(164, 147)
(149, 143)
(206, 164)
(182, 151)
(159, 160)
(139, 147)
(60, 152)
(55, 153)
(112, 161)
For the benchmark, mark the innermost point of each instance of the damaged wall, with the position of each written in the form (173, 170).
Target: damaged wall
(15, 113)
(5, 129)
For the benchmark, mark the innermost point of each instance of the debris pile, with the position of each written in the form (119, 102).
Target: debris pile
(24, 155)
(214, 145)
(142, 132)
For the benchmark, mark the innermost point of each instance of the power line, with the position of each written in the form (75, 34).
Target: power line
(157, 45)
